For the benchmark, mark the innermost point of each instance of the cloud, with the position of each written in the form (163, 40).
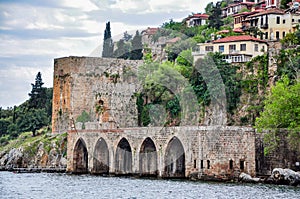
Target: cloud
(34, 32)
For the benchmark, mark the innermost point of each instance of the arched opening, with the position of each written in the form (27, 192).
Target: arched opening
(148, 158)
(101, 158)
(123, 162)
(80, 157)
(175, 159)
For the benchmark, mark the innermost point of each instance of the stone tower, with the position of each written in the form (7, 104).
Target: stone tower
(94, 91)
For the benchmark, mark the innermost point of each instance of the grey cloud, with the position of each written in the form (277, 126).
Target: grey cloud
(26, 34)
(132, 18)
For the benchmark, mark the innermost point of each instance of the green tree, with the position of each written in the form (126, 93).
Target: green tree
(127, 36)
(284, 4)
(281, 111)
(38, 93)
(108, 45)
(122, 50)
(137, 47)
(172, 25)
(174, 50)
(209, 8)
(33, 120)
(214, 19)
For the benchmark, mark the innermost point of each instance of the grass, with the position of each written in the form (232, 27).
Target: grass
(30, 144)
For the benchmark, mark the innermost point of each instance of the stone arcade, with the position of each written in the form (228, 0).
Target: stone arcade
(109, 141)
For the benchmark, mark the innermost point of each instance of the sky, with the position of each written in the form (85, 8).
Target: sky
(34, 32)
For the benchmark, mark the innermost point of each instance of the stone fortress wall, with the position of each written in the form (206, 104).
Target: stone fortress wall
(94, 101)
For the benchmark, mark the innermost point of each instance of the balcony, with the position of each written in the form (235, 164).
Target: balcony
(264, 26)
(232, 51)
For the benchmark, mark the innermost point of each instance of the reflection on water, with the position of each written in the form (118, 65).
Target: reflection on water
(44, 185)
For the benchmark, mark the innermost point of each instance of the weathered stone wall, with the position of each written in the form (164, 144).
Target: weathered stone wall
(284, 156)
(218, 145)
(103, 88)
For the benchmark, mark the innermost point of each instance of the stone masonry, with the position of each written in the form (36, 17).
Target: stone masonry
(215, 152)
(94, 100)
(103, 88)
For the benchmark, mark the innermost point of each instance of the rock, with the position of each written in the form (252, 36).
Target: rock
(285, 176)
(13, 158)
(243, 177)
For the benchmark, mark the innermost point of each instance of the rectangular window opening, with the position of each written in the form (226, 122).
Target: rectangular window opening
(243, 47)
(208, 164)
(230, 164)
(242, 164)
(256, 47)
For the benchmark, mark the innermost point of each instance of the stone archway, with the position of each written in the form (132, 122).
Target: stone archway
(175, 159)
(80, 157)
(101, 158)
(123, 161)
(148, 158)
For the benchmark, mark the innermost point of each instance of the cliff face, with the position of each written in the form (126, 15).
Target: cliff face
(42, 151)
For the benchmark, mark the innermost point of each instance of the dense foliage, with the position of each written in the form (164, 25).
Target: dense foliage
(170, 84)
(281, 111)
(32, 115)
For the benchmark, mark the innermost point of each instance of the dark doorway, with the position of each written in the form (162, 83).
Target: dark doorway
(80, 156)
(123, 162)
(101, 158)
(148, 158)
(175, 159)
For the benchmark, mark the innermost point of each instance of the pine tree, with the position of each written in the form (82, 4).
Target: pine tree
(137, 47)
(108, 45)
(214, 19)
(38, 93)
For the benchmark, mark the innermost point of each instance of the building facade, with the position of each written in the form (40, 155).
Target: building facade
(236, 49)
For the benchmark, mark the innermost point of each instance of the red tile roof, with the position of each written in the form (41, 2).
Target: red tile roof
(238, 38)
(270, 11)
(223, 32)
(237, 4)
(150, 31)
(199, 16)
(174, 40)
(238, 30)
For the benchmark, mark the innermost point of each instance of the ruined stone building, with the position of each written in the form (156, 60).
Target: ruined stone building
(94, 100)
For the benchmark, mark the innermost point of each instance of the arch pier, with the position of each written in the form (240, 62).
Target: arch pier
(169, 152)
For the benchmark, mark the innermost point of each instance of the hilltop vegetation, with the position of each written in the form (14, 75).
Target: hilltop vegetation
(30, 116)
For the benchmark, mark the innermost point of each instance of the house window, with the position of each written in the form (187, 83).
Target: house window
(243, 47)
(277, 35)
(256, 47)
(232, 48)
(293, 20)
(201, 164)
(283, 21)
(266, 35)
(221, 49)
(283, 34)
(278, 20)
(195, 164)
(261, 20)
(209, 48)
